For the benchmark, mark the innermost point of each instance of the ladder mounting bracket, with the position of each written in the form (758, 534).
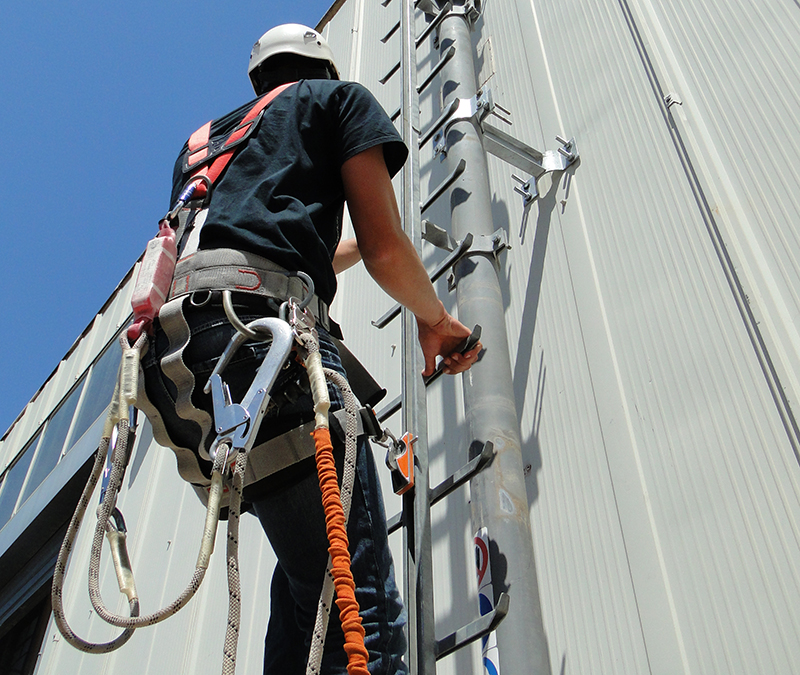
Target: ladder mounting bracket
(438, 236)
(502, 145)
(473, 110)
(471, 10)
(492, 244)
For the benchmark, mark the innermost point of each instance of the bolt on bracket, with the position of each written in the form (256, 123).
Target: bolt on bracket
(474, 110)
(529, 160)
(471, 10)
(492, 244)
(520, 155)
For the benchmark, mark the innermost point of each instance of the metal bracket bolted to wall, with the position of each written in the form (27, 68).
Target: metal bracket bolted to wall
(526, 188)
(551, 161)
(526, 158)
(471, 10)
(474, 110)
(438, 236)
(492, 244)
(506, 147)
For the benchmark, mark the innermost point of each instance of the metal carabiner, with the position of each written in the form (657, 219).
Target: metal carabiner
(186, 194)
(238, 423)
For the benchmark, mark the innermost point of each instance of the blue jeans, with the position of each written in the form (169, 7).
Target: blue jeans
(289, 507)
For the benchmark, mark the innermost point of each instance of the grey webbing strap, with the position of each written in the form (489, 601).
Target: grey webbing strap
(289, 448)
(173, 366)
(263, 460)
(229, 269)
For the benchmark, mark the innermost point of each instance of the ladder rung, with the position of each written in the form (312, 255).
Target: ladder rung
(393, 30)
(394, 523)
(450, 483)
(473, 631)
(466, 346)
(449, 54)
(461, 476)
(390, 409)
(446, 183)
(446, 264)
(432, 25)
(386, 77)
(447, 113)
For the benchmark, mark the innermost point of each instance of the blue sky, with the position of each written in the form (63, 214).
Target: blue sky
(96, 99)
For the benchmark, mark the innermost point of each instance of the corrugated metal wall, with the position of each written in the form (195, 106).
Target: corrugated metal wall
(653, 304)
(652, 296)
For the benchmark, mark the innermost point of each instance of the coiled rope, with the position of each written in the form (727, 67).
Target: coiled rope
(336, 504)
(124, 396)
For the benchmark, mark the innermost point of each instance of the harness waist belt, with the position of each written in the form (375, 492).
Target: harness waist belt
(228, 269)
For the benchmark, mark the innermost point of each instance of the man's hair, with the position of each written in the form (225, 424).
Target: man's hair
(283, 68)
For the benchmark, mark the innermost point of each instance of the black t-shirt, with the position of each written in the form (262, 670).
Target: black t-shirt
(281, 197)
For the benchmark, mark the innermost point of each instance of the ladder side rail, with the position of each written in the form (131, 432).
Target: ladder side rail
(416, 511)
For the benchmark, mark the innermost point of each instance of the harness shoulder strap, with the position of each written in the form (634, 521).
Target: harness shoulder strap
(208, 161)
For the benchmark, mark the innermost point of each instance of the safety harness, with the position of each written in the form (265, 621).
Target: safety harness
(164, 281)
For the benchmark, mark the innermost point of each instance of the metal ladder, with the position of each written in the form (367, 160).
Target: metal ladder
(495, 454)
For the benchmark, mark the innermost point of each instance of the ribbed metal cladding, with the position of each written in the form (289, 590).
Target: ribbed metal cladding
(499, 500)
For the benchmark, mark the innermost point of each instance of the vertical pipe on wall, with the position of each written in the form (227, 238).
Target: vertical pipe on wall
(498, 494)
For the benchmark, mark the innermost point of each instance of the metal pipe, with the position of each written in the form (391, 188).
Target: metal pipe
(499, 500)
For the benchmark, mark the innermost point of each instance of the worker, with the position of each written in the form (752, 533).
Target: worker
(320, 142)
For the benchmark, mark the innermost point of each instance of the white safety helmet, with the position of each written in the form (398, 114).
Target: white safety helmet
(291, 38)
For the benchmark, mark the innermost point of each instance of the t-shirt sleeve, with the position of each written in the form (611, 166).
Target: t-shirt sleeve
(363, 124)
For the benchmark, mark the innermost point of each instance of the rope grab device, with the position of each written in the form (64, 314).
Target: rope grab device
(236, 426)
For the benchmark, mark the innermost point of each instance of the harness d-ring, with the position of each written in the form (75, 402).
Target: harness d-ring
(283, 312)
(233, 317)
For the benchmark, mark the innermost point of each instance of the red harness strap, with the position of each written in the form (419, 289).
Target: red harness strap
(158, 263)
(199, 143)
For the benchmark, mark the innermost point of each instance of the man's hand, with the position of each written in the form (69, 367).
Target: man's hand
(442, 339)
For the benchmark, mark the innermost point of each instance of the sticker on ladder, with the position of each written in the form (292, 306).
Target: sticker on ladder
(489, 650)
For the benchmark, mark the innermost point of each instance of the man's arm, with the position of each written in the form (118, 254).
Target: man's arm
(392, 260)
(346, 255)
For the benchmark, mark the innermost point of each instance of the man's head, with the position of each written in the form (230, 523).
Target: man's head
(287, 53)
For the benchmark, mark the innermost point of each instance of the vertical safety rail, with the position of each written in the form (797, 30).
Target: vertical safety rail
(416, 511)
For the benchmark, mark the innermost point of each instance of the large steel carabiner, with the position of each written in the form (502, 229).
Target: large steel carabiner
(237, 424)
